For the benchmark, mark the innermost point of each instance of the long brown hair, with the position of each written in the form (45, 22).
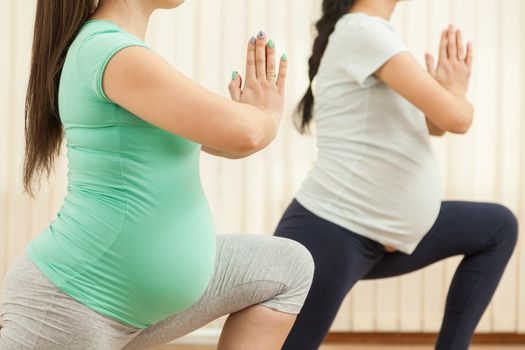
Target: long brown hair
(56, 25)
(333, 10)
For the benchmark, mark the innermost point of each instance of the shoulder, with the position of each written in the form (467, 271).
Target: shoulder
(97, 38)
(364, 43)
(361, 26)
(95, 45)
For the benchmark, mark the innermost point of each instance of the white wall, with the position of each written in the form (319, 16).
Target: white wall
(206, 40)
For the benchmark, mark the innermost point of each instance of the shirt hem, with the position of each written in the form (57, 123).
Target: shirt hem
(61, 284)
(359, 230)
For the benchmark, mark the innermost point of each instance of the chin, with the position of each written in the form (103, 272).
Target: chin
(168, 4)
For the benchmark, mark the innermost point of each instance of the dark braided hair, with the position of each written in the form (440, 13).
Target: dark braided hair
(333, 10)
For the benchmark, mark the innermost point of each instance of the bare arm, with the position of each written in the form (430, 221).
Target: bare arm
(237, 92)
(143, 83)
(433, 129)
(221, 154)
(439, 93)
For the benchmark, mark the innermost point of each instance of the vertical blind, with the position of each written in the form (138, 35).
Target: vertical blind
(207, 39)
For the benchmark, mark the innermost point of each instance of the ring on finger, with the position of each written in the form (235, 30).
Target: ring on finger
(271, 75)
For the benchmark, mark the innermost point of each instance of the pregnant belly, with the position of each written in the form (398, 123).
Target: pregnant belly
(171, 267)
(148, 280)
(386, 199)
(407, 206)
(138, 266)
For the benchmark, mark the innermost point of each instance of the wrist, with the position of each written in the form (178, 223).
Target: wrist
(459, 92)
(275, 121)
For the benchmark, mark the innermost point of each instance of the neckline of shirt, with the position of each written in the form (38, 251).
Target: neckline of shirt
(362, 14)
(101, 21)
(91, 21)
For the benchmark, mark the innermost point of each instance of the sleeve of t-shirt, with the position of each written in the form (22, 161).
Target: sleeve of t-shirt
(370, 44)
(95, 53)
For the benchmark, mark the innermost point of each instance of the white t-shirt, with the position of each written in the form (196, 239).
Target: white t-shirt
(376, 173)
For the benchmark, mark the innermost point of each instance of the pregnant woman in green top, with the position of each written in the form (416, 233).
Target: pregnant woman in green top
(131, 260)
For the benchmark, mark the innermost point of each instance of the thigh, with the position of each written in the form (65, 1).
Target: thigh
(462, 228)
(36, 315)
(249, 270)
(341, 258)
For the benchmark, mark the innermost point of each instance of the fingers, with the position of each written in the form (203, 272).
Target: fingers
(429, 59)
(443, 44)
(452, 45)
(261, 61)
(460, 47)
(260, 56)
(250, 60)
(468, 59)
(235, 87)
(271, 72)
(283, 69)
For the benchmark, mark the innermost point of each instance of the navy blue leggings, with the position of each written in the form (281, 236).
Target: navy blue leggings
(484, 233)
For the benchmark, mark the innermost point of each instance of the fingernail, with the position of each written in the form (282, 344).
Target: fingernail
(271, 44)
(234, 75)
(284, 58)
(253, 40)
(260, 35)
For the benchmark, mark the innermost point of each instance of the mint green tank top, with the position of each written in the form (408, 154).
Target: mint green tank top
(134, 239)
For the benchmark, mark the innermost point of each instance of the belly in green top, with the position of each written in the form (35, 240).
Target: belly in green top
(134, 239)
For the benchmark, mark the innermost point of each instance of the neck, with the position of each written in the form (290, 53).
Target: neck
(131, 16)
(378, 8)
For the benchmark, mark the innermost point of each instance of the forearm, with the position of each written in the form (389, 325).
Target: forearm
(463, 116)
(248, 130)
(449, 112)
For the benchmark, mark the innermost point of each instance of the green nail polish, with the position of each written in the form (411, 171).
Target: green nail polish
(271, 44)
(234, 75)
(284, 58)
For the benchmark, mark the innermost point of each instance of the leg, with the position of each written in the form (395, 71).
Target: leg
(37, 315)
(270, 327)
(486, 234)
(273, 273)
(341, 259)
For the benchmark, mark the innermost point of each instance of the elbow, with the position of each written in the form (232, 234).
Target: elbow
(252, 135)
(438, 133)
(460, 126)
(255, 137)
(250, 142)
(462, 120)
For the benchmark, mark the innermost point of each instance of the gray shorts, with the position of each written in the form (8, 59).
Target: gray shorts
(250, 270)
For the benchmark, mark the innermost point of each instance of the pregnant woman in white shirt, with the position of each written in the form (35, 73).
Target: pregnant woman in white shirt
(371, 206)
